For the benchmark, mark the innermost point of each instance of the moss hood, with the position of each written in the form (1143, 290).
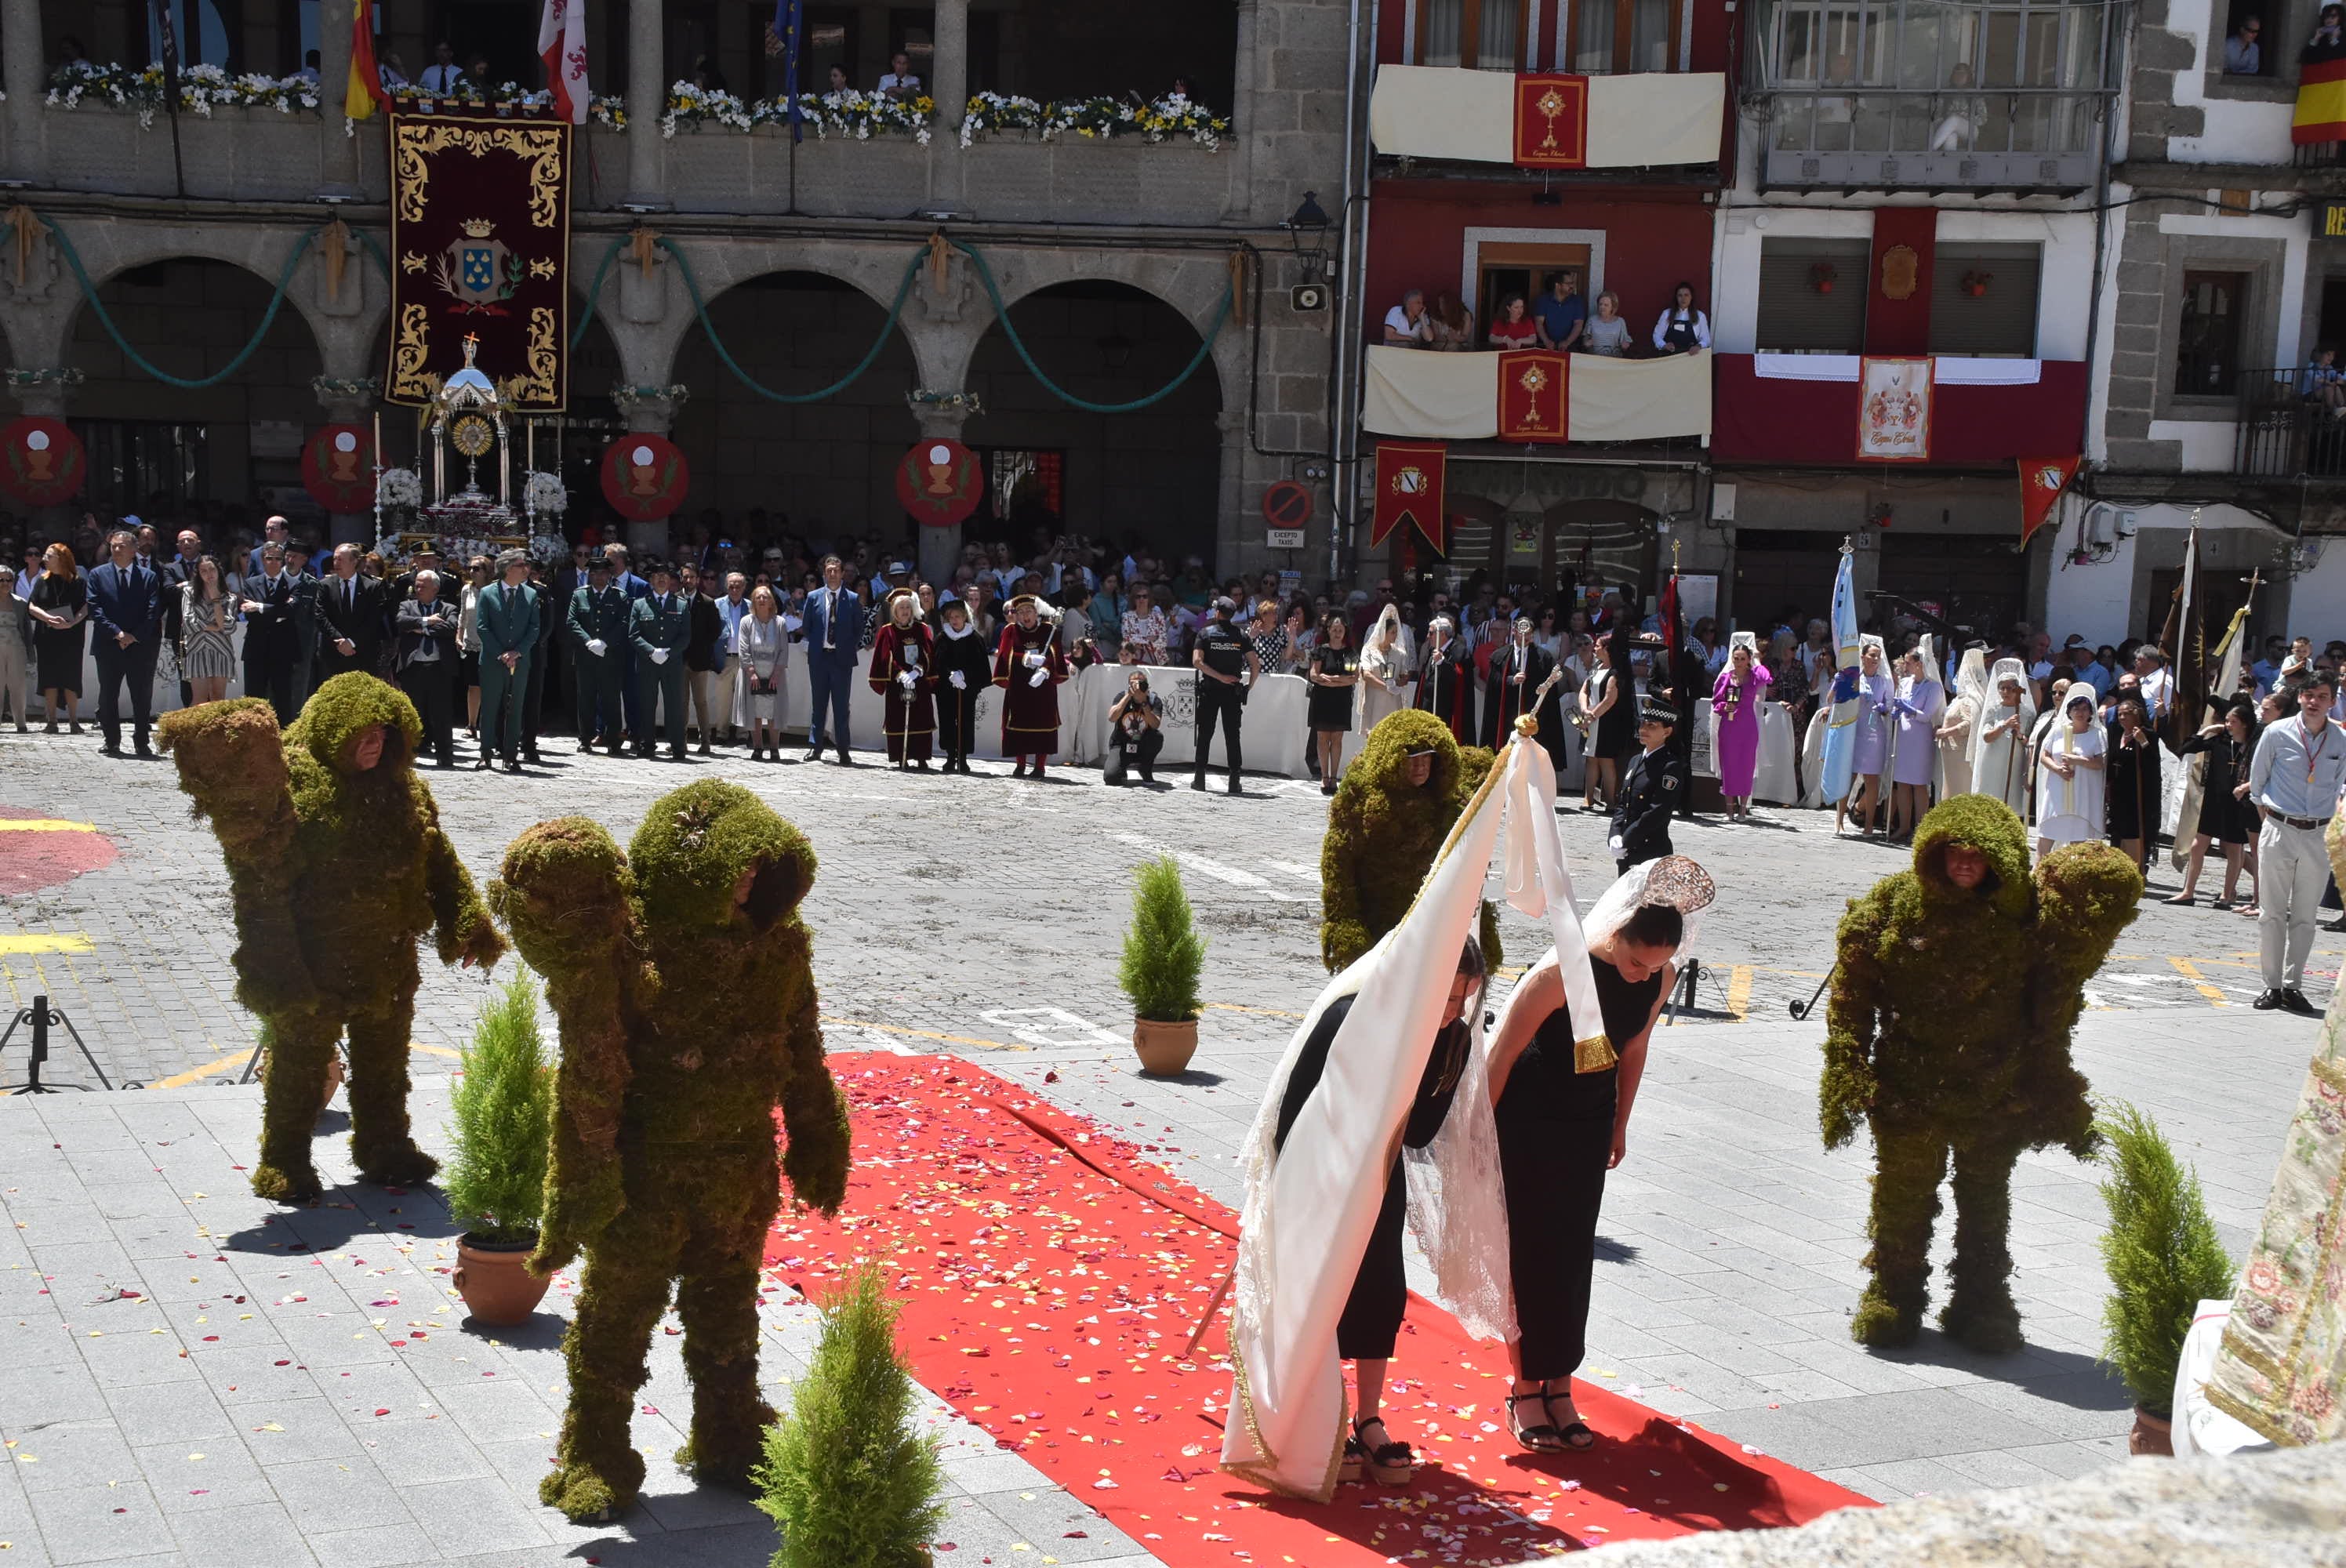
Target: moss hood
(1383, 767)
(1983, 823)
(693, 847)
(348, 704)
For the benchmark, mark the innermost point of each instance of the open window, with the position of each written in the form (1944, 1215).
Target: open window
(1503, 270)
(1485, 33)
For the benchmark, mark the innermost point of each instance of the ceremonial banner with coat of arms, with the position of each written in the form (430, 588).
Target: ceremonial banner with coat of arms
(480, 242)
(1535, 395)
(1551, 122)
(1410, 476)
(1893, 411)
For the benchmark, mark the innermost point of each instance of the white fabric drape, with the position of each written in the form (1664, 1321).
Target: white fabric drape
(1642, 119)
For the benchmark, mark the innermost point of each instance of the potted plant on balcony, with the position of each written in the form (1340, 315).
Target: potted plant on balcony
(1821, 277)
(1975, 282)
(502, 1104)
(2163, 1261)
(1163, 958)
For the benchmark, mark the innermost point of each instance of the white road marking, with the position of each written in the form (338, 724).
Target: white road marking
(1212, 868)
(1049, 1026)
(1295, 868)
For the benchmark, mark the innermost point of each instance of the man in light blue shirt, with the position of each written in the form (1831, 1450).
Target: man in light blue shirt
(2296, 779)
(2243, 55)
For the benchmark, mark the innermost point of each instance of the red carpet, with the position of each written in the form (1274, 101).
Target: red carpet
(44, 857)
(1050, 1278)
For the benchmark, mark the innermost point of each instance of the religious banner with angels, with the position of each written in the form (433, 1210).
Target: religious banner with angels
(1894, 409)
(480, 245)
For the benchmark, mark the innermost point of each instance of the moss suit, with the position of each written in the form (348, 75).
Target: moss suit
(335, 873)
(1948, 1033)
(1384, 832)
(682, 978)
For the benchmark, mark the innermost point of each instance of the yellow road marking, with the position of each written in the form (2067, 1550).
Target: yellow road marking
(1738, 991)
(197, 1075)
(923, 1034)
(1266, 1012)
(2191, 972)
(34, 941)
(44, 825)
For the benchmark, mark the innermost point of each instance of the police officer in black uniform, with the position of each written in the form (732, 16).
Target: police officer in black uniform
(1227, 667)
(1651, 790)
(597, 621)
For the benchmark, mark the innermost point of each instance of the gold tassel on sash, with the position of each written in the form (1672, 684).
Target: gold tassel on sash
(1594, 1055)
(643, 244)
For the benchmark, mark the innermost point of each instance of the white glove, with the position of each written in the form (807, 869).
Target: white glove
(1039, 678)
(1245, 678)
(1035, 661)
(1616, 843)
(960, 681)
(908, 680)
(659, 655)
(598, 646)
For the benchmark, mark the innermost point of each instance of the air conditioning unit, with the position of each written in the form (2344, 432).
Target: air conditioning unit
(1308, 297)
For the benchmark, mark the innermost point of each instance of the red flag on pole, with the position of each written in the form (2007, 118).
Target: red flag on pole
(561, 44)
(363, 93)
(2042, 480)
(1409, 489)
(1668, 609)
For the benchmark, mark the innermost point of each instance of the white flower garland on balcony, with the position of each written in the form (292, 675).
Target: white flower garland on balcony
(850, 115)
(1100, 118)
(202, 88)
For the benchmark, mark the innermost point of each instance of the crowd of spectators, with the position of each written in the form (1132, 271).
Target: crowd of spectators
(1559, 317)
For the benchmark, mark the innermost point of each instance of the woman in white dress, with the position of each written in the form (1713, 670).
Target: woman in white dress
(1959, 726)
(1384, 670)
(2069, 775)
(763, 646)
(2000, 737)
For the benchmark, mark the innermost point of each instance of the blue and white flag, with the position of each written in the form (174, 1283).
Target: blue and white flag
(1841, 728)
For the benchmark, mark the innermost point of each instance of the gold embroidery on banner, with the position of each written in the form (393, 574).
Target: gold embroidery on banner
(540, 146)
(543, 358)
(410, 347)
(541, 267)
(411, 262)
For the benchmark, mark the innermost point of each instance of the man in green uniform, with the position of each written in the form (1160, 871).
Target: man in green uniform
(599, 633)
(661, 626)
(507, 617)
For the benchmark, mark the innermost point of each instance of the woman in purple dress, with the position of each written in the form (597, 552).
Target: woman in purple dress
(1872, 748)
(1737, 698)
(1915, 748)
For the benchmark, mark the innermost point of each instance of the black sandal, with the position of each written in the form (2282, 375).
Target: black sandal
(1575, 1433)
(1389, 1463)
(1355, 1456)
(1542, 1438)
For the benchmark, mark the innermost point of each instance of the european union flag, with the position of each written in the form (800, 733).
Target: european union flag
(783, 37)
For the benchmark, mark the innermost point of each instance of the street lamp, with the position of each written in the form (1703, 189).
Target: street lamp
(1309, 222)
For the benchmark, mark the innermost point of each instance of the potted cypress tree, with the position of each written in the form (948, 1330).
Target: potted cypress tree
(495, 1183)
(848, 1474)
(1163, 957)
(2163, 1261)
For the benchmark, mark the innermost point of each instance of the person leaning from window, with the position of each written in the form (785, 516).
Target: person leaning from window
(1961, 110)
(1407, 326)
(1683, 328)
(1607, 332)
(1134, 737)
(2243, 55)
(1561, 315)
(2321, 381)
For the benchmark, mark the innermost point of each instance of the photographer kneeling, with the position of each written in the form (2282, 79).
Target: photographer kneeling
(1134, 737)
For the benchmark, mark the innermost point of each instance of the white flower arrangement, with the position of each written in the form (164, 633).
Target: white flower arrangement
(1094, 119)
(202, 88)
(546, 549)
(396, 488)
(545, 496)
(850, 115)
(692, 105)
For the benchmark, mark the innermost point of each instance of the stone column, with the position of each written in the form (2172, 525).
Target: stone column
(646, 97)
(348, 402)
(1232, 552)
(949, 66)
(28, 54)
(652, 410)
(940, 548)
(338, 162)
(1242, 114)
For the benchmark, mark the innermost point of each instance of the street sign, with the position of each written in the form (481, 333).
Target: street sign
(2330, 220)
(1286, 539)
(1287, 504)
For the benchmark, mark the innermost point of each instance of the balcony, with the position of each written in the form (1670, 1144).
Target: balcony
(1605, 400)
(1574, 125)
(1803, 410)
(2283, 435)
(1879, 138)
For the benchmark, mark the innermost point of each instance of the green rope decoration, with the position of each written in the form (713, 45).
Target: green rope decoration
(895, 310)
(595, 292)
(267, 320)
(1001, 313)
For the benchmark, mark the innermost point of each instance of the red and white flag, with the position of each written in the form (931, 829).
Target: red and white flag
(561, 44)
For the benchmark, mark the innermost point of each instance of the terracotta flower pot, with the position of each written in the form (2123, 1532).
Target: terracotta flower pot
(1165, 1049)
(2152, 1434)
(497, 1289)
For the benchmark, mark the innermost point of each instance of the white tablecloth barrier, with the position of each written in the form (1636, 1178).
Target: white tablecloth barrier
(1771, 778)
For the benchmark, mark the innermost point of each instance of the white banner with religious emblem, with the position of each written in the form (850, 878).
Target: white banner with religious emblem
(1893, 411)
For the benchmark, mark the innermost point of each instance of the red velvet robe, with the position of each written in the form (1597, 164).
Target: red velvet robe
(1030, 714)
(911, 716)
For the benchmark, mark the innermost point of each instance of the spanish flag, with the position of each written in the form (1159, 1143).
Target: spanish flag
(363, 95)
(2321, 103)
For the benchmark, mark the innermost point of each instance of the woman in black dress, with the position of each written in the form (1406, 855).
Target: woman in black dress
(2132, 788)
(59, 607)
(1373, 1312)
(1333, 671)
(2226, 817)
(1562, 1126)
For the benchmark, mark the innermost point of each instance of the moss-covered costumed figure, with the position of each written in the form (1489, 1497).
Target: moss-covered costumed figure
(682, 978)
(337, 867)
(1396, 804)
(1948, 1033)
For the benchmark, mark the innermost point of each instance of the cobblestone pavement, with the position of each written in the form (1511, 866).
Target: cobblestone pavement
(982, 916)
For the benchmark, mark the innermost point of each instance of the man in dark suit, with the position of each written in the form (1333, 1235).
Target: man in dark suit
(277, 531)
(507, 614)
(270, 637)
(177, 572)
(833, 638)
(599, 630)
(305, 620)
(425, 658)
(1653, 786)
(541, 662)
(631, 697)
(659, 626)
(126, 613)
(704, 657)
(350, 615)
